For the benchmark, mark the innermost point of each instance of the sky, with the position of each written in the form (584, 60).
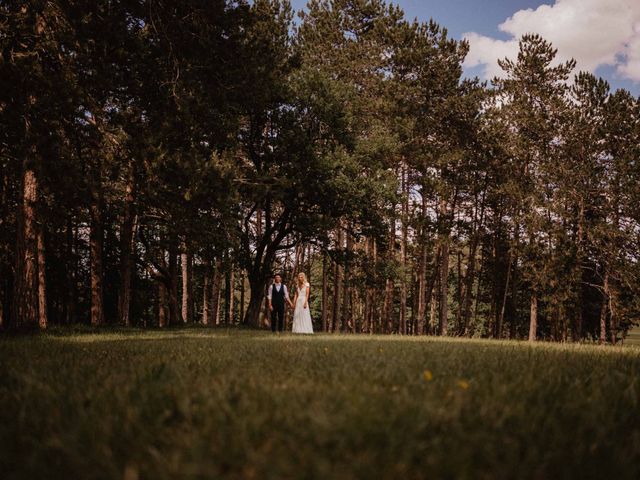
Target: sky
(603, 36)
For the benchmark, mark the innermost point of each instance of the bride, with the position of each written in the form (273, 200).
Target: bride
(301, 314)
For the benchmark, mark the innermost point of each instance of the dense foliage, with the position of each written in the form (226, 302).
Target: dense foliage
(160, 160)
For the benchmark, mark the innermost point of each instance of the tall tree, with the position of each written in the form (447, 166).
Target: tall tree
(531, 98)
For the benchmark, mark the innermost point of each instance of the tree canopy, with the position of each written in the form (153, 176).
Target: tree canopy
(161, 160)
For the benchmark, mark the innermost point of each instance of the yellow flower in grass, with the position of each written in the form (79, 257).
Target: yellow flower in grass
(427, 375)
(463, 384)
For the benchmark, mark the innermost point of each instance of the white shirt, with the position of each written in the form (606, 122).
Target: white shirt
(278, 287)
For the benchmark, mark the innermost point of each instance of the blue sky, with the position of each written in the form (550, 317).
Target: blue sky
(603, 35)
(459, 16)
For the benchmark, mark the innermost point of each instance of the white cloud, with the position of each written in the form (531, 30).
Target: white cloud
(594, 32)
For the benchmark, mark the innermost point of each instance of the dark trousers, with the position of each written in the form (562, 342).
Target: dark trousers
(277, 318)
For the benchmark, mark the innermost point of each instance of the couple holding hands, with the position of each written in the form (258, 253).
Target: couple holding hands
(278, 295)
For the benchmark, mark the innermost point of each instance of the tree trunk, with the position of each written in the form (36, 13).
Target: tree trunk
(337, 280)
(444, 288)
(347, 314)
(126, 252)
(579, 317)
(232, 293)
(413, 320)
(533, 318)
(205, 296)
(514, 297)
(256, 296)
(467, 286)
(613, 329)
(174, 314)
(477, 295)
(368, 296)
(433, 312)
(325, 293)
(71, 294)
(563, 323)
(215, 293)
(404, 219)
(192, 297)
(387, 306)
(402, 322)
(162, 304)
(242, 296)
(230, 296)
(372, 290)
(604, 309)
(498, 263)
(186, 284)
(42, 280)
(257, 286)
(608, 287)
(25, 312)
(4, 269)
(298, 262)
(469, 277)
(422, 275)
(498, 330)
(96, 245)
(389, 286)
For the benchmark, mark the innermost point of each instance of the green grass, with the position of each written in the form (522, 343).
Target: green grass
(236, 404)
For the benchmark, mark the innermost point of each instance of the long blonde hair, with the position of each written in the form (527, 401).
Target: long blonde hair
(304, 282)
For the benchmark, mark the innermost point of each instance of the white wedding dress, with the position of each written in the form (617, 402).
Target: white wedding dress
(302, 316)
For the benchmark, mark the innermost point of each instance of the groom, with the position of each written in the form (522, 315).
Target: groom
(277, 297)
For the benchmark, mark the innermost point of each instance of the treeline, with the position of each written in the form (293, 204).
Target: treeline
(160, 160)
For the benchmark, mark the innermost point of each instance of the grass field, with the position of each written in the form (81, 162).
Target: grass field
(200, 403)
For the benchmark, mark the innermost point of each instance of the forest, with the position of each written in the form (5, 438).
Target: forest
(160, 161)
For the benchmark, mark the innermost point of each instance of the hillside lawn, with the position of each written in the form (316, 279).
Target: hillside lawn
(225, 403)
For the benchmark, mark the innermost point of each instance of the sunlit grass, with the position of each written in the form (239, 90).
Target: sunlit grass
(202, 403)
